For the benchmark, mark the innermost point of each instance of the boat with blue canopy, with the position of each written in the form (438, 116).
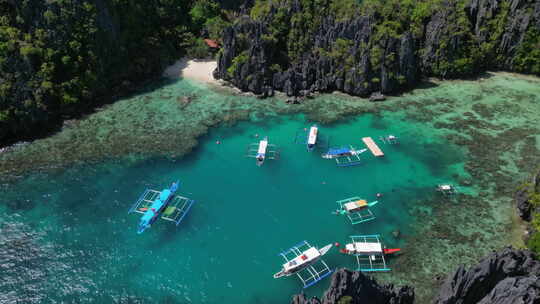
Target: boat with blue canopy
(344, 156)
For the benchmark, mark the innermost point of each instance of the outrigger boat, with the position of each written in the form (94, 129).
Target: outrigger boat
(166, 204)
(262, 151)
(389, 139)
(369, 252)
(447, 189)
(311, 138)
(304, 261)
(344, 156)
(356, 209)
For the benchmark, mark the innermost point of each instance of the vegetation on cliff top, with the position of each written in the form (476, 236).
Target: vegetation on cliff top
(61, 58)
(534, 241)
(451, 38)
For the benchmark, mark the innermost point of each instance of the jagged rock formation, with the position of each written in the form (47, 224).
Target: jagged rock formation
(359, 288)
(364, 54)
(505, 277)
(522, 196)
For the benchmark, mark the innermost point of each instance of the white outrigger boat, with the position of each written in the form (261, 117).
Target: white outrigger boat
(369, 252)
(305, 261)
(311, 138)
(356, 209)
(344, 156)
(262, 151)
(389, 139)
(447, 189)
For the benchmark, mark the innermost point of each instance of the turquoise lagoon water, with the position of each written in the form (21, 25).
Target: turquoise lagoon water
(67, 235)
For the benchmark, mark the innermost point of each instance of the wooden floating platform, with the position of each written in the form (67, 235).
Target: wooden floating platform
(372, 146)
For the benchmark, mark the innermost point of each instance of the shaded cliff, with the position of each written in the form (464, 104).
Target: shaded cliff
(354, 287)
(506, 277)
(304, 46)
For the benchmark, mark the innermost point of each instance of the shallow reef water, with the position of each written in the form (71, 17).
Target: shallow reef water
(66, 235)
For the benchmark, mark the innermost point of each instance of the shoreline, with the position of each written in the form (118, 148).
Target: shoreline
(200, 70)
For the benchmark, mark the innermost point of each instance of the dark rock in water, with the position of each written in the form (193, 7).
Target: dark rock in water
(505, 277)
(359, 288)
(301, 299)
(522, 198)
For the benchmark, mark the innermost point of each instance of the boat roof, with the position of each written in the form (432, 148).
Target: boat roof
(364, 247)
(263, 144)
(445, 187)
(355, 205)
(312, 138)
(338, 151)
(306, 257)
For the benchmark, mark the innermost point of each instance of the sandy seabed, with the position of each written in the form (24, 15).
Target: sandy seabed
(199, 70)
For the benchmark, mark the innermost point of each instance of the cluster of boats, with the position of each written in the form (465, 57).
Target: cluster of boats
(344, 155)
(303, 260)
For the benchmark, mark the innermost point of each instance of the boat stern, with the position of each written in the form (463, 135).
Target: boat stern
(142, 227)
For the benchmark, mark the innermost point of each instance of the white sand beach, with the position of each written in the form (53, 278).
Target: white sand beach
(199, 70)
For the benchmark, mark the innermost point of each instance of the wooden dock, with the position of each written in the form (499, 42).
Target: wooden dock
(372, 146)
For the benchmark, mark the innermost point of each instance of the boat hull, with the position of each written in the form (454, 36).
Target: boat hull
(284, 273)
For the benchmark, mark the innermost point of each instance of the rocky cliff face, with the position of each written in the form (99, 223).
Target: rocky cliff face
(509, 276)
(359, 288)
(522, 197)
(459, 38)
(506, 277)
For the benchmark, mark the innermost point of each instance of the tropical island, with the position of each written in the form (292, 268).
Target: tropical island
(86, 115)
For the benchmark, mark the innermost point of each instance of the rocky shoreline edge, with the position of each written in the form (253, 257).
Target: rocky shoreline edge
(504, 277)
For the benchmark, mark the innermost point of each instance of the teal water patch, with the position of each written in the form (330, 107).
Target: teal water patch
(67, 236)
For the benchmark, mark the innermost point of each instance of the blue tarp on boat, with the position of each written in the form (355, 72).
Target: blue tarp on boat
(338, 151)
(150, 213)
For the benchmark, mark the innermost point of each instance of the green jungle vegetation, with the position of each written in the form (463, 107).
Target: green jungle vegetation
(62, 58)
(534, 240)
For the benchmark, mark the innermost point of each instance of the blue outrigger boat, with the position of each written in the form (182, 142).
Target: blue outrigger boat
(166, 204)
